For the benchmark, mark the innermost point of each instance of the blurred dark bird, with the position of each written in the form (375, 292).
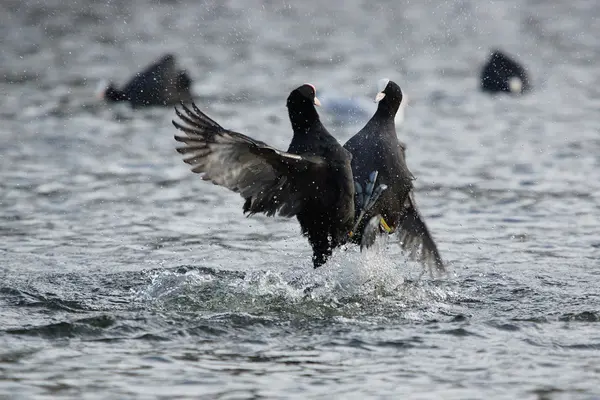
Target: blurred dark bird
(376, 148)
(160, 84)
(311, 181)
(503, 74)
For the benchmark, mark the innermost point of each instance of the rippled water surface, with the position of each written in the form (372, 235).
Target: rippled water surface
(123, 275)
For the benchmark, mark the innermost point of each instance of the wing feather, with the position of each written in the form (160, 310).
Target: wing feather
(415, 236)
(263, 175)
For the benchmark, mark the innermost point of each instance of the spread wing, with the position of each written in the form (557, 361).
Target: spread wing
(263, 175)
(415, 236)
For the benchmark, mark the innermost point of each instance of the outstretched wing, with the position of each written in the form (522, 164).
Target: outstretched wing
(262, 174)
(415, 236)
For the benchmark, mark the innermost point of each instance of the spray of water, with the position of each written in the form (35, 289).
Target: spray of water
(352, 285)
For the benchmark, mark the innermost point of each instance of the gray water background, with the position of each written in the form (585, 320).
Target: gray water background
(123, 275)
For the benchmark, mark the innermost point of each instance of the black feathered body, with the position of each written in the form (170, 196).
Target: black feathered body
(311, 181)
(160, 84)
(377, 148)
(497, 72)
(328, 206)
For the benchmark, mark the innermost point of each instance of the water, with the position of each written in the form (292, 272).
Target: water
(122, 275)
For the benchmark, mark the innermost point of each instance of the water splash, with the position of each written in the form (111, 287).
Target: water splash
(352, 285)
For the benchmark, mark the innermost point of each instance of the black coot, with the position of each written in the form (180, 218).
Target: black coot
(160, 84)
(503, 74)
(376, 148)
(312, 180)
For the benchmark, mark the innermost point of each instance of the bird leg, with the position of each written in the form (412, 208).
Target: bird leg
(321, 251)
(371, 229)
(385, 227)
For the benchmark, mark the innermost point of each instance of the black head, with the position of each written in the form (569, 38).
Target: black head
(389, 97)
(112, 94)
(304, 96)
(498, 55)
(184, 82)
(301, 107)
(167, 58)
(164, 67)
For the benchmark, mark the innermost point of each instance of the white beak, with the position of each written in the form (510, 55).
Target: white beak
(317, 102)
(515, 85)
(101, 89)
(379, 97)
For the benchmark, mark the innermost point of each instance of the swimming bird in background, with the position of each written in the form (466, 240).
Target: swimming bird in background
(503, 74)
(376, 148)
(160, 84)
(311, 181)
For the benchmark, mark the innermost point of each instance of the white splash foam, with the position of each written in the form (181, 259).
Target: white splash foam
(351, 285)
